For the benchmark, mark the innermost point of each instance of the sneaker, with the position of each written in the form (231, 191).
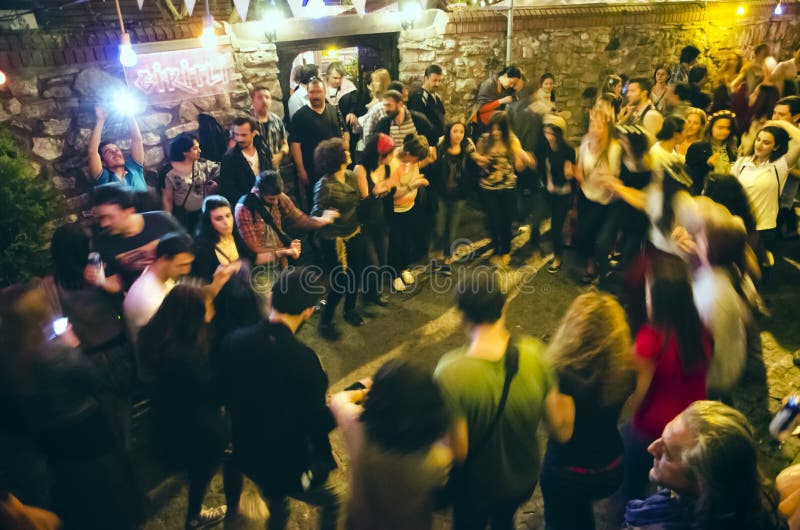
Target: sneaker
(207, 517)
(353, 318)
(398, 284)
(329, 331)
(407, 277)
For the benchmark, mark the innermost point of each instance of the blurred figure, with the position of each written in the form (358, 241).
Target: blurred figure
(706, 461)
(391, 429)
(659, 89)
(191, 434)
(693, 131)
(558, 172)
(16, 516)
(48, 389)
(590, 354)
(217, 242)
(493, 96)
(788, 484)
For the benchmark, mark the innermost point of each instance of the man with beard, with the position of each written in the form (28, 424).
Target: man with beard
(275, 389)
(310, 125)
(107, 163)
(242, 162)
(640, 110)
(400, 121)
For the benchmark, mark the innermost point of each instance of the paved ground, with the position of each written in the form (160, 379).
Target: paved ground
(422, 324)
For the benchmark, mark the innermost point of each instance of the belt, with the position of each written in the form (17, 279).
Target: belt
(596, 471)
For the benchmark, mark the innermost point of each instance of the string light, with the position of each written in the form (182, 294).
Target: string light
(778, 9)
(315, 8)
(208, 39)
(2, 78)
(740, 10)
(127, 57)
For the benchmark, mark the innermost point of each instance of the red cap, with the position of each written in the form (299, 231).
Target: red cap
(385, 144)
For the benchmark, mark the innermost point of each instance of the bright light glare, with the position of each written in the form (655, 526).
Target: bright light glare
(126, 54)
(2, 78)
(778, 9)
(315, 8)
(125, 103)
(208, 39)
(273, 19)
(411, 11)
(740, 10)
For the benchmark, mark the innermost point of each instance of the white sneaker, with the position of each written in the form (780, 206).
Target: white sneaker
(398, 284)
(407, 277)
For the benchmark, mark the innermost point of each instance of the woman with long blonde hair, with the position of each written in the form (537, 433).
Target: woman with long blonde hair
(591, 356)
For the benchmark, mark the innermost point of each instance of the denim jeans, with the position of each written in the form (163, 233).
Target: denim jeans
(448, 215)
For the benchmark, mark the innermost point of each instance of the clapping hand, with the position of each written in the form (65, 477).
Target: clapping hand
(329, 216)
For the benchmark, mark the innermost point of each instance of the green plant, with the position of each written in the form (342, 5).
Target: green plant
(28, 207)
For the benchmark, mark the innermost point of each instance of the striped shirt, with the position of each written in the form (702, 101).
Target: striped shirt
(274, 131)
(399, 132)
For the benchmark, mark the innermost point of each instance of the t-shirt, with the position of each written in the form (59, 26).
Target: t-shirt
(507, 467)
(671, 389)
(297, 100)
(188, 190)
(252, 161)
(130, 255)
(143, 300)
(763, 185)
(595, 171)
(134, 176)
(309, 128)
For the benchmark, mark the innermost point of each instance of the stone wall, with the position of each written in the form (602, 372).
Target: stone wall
(50, 110)
(582, 45)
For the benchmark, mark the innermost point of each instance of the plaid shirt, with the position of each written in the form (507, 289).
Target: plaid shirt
(274, 131)
(371, 119)
(259, 236)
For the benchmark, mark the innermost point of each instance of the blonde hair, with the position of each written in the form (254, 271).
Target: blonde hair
(593, 346)
(703, 120)
(380, 79)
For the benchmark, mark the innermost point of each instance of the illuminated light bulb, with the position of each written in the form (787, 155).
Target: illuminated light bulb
(315, 8)
(125, 103)
(778, 9)
(127, 57)
(740, 10)
(273, 20)
(208, 39)
(3, 78)
(412, 11)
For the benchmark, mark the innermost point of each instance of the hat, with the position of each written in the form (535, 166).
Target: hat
(385, 144)
(556, 121)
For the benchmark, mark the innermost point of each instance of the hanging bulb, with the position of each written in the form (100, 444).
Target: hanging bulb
(2, 78)
(208, 39)
(127, 57)
(315, 8)
(740, 10)
(778, 10)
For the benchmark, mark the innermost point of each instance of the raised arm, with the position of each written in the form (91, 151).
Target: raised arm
(95, 162)
(137, 146)
(793, 153)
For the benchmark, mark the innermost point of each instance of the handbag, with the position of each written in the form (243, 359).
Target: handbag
(459, 474)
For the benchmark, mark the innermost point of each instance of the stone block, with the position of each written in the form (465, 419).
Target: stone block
(93, 79)
(56, 127)
(23, 86)
(149, 138)
(78, 139)
(155, 120)
(188, 112)
(48, 148)
(13, 106)
(63, 183)
(153, 156)
(466, 85)
(172, 132)
(57, 91)
(78, 202)
(258, 58)
(38, 108)
(205, 103)
(68, 103)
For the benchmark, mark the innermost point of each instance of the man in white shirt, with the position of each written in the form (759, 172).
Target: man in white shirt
(174, 258)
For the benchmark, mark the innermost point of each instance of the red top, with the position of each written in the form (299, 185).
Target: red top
(671, 389)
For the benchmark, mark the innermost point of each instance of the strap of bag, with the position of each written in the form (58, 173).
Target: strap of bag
(511, 359)
(256, 205)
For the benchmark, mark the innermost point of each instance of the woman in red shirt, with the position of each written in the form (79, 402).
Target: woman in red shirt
(672, 354)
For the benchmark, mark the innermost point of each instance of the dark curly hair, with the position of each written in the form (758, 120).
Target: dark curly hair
(330, 156)
(404, 411)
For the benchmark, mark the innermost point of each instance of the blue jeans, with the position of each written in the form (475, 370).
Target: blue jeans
(448, 215)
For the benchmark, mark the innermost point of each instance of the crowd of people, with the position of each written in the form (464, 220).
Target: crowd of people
(161, 303)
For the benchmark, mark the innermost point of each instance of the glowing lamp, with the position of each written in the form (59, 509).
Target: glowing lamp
(125, 103)
(778, 11)
(273, 19)
(208, 39)
(126, 54)
(740, 10)
(2, 78)
(409, 14)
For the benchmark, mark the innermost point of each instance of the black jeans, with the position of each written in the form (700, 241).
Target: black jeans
(500, 207)
(404, 238)
(596, 231)
(568, 494)
(200, 473)
(344, 282)
(376, 255)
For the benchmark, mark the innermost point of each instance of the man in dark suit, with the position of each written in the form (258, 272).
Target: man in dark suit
(243, 162)
(427, 100)
(275, 389)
